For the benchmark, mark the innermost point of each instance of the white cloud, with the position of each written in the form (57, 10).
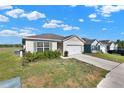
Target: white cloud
(52, 24)
(104, 29)
(23, 28)
(110, 21)
(92, 16)
(25, 31)
(5, 7)
(3, 18)
(81, 20)
(122, 33)
(95, 20)
(8, 33)
(33, 15)
(26, 34)
(59, 24)
(73, 5)
(95, 6)
(108, 9)
(68, 27)
(76, 28)
(16, 32)
(15, 13)
(56, 21)
(30, 28)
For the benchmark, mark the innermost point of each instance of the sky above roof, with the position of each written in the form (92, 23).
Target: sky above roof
(95, 22)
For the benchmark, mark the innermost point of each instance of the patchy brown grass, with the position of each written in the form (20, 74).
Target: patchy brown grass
(36, 81)
(72, 83)
(59, 73)
(52, 73)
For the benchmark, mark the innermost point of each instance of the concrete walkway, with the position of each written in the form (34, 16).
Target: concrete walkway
(102, 63)
(114, 79)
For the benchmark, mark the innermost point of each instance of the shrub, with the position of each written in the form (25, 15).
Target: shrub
(32, 57)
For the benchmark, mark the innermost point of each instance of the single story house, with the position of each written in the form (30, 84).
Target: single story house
(44, 42)
(111, 45)
(93, 46)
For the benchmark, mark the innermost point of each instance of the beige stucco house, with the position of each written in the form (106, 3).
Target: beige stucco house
(44, 42)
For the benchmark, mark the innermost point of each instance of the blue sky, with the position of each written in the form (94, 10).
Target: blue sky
(99, 22)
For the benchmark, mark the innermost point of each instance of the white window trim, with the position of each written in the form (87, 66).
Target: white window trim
(43, 45)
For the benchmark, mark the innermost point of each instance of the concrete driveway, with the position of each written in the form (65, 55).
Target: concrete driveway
(102, 63)
(114, 79)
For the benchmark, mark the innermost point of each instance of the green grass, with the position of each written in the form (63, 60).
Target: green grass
(9, 64)
(112, 57)
(49, 73)
(62, 73)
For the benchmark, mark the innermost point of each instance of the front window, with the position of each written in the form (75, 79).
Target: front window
(93, 47)
(46, 44)
(39, 44)
(98, 47)
(43, 46)
(40, 49)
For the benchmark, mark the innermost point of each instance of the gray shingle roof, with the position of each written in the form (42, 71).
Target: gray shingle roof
(51, 37)
(107, 42)
(47, 36)
(88, 41)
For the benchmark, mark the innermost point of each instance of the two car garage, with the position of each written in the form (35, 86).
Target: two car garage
(74, 45)
(74, 49)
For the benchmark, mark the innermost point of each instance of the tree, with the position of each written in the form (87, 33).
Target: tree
(120, 44)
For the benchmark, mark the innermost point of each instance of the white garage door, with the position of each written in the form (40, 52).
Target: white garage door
(73, 49)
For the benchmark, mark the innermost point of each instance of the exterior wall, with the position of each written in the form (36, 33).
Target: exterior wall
(103, 48)
(73, 41)
(54, 46)
(60, 46)
(29, 46)
(116, 46)
(32, 46)
(95, 44)
(112, 46)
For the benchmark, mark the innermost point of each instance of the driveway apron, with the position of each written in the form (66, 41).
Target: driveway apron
(102, 63)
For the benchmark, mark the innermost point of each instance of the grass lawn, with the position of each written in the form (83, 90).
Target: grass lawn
(49, 73)
(112, 57)
(9, 64)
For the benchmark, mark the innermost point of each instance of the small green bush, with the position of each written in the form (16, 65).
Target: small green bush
(32, 57)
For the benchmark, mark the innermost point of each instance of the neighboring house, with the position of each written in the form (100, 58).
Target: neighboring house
(44, 42)
(111, 45)
(93, 46)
